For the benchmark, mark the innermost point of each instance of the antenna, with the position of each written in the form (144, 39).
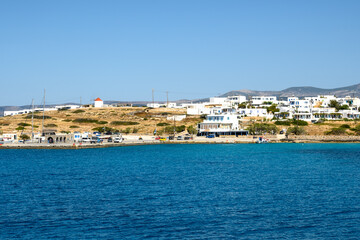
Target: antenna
(153, 97)
(43, 113)
(167, 99)
(32, 121)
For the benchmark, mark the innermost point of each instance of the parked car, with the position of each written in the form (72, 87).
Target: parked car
(171, 137)
(188, 137)
(86, 140)
(157, 138)
(118, 139)
(96, 140)
(179, 138)
(211, 136)
(162, 139)
(110, 139)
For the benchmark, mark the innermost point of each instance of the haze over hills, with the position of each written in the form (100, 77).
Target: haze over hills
(353, 90)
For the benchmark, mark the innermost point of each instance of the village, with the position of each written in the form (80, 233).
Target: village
(220, 120)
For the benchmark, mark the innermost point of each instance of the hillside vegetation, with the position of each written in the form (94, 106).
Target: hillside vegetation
(140, 120)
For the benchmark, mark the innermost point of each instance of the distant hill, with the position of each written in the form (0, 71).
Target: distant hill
(353, 90)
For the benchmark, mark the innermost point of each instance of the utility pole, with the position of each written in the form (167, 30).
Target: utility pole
(80, 101)
(43, 113)
(174, 127)
(32, 121)
(153, 97)
(167, 99)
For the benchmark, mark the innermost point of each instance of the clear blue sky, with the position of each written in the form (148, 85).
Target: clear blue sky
(120, 50)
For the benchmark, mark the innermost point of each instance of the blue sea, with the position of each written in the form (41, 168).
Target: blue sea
(239, 191)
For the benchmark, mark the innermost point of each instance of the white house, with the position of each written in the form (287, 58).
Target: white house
(259, 100)
(98, 103)
(253, 112)
(197, 109)
(235, 100)
(154, 105)
(221, 124)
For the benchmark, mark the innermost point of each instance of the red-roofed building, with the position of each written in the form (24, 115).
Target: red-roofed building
(98, 103)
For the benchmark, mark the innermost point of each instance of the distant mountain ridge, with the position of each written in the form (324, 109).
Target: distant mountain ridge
(353, 90)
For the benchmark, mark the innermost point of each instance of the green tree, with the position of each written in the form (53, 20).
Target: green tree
(24, 137)
(334, 104)
(296, 130)
(191, 130)
(262, 128)
(272, 109)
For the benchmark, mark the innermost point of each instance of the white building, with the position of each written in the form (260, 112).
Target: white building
(254, 112)
(197, 108)
(154, 105)
(221, 124)
(259, 100)
(98, 103)
(218, 100)
(176, 118)
(9, 137)
(26, 111)
(235, 100)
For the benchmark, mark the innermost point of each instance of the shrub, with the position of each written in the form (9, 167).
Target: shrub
(74, 126)
(296, 130)
(50, 125)
(24, 124)
(135, 130)
(162, 124)
(67, 132)
(261, 128)
(67, 120)
(102, 122)
(356, 129)
(345, 126)
(336, 131)
(178, 129)
(19, 128)
(299, 122)
(103, 129)
(79, 111)
(283, 123)
(123, 123)
(127, 130)
(85, 120)
(38, 117)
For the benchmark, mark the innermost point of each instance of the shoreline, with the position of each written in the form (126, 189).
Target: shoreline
(143, 143)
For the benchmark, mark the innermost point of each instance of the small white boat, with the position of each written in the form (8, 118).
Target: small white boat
(262, 140)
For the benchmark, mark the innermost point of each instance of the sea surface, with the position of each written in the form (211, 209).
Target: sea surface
(239, 191)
